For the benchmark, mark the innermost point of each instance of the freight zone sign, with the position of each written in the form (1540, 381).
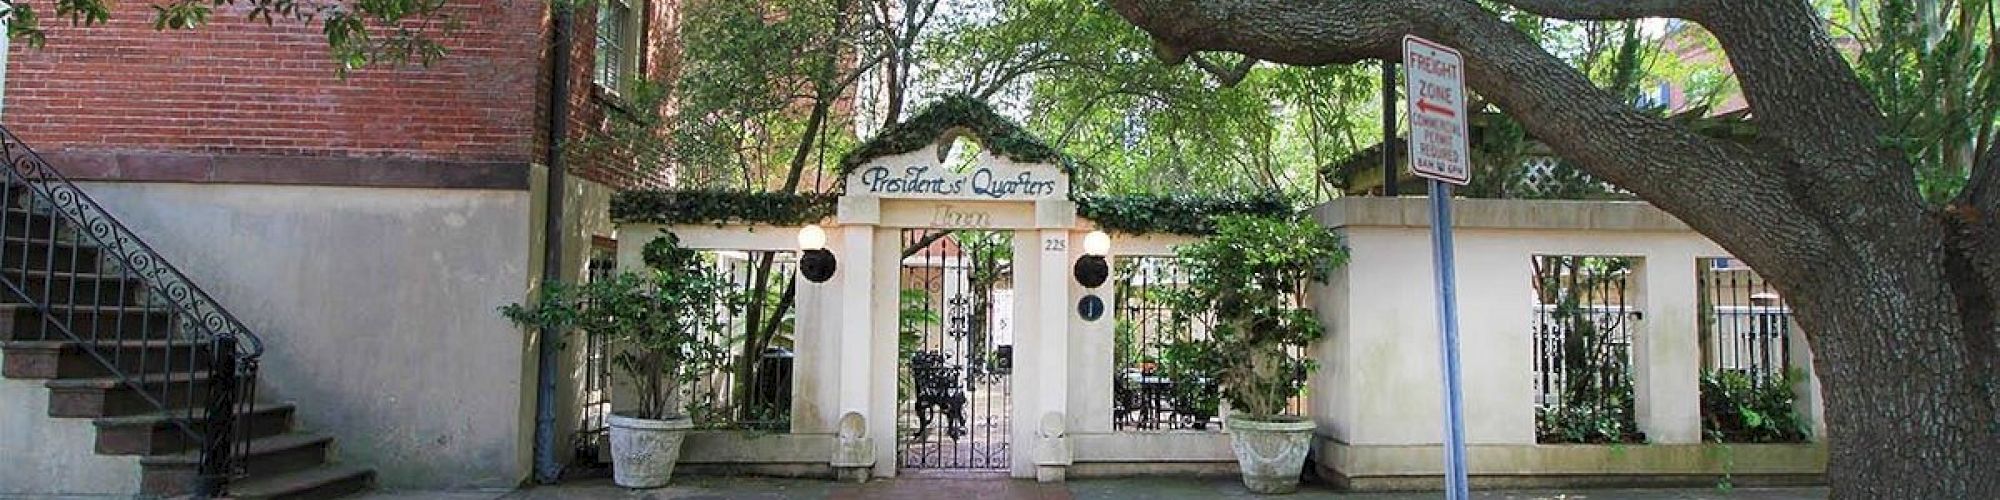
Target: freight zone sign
(1435, 90)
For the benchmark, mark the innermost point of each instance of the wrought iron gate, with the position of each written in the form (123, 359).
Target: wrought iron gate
(955, 345)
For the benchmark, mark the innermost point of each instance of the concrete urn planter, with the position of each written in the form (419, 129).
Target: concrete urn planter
(643, 452)
(1271, 454)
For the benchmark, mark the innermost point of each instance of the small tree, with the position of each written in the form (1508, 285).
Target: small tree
(1246, 283)
(652, 321)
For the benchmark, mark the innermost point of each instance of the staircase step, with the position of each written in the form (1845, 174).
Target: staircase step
(156, 434)
(269, 456)
(62, 359)
(327, 481)
(34, 253)
(25, 322)
(86, 289)
(111, 397)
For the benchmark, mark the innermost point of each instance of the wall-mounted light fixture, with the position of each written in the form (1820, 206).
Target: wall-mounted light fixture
(1091, 270)
(815, 261)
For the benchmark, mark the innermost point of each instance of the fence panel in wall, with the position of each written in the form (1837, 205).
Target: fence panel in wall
(1745, 323)
(1156, 384)
(955, 344)
(592, 440)
(752, 389)
(1584, 324)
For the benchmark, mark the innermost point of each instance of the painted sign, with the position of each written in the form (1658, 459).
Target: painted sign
(982, 182)
(1435, 89)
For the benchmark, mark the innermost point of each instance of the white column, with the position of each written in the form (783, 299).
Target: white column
(882, 359)
(853, 284)
(1041, 330)
(1666, 353)
(1091, 344)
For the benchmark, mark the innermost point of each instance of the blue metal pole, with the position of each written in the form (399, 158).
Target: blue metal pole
(1456, 487)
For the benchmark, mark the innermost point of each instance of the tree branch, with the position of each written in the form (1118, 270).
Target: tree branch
(1609, 10)
(1227, 77)
(1727, 191)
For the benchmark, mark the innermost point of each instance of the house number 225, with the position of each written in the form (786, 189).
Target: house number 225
(1055, 245)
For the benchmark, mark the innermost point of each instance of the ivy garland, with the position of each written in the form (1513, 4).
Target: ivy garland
(721, 207)
(1177, 214)
(998, 134)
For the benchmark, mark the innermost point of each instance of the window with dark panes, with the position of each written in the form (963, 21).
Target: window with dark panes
(617, 43)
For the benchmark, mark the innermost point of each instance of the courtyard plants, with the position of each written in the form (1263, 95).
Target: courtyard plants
(1244, 325)
(652, 322)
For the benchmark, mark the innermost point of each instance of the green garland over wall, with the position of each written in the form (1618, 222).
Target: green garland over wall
(1176, 214)
(720, 207)
(997, 133)
(1132, 214)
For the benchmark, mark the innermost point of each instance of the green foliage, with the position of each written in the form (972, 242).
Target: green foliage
(719, 207)
(1246, 288)
(997, 134)
(1596, 401)
(652, 321)
(1194, 366)
(1606, 417)
(913, 316)
(755, 89)
(1738, 409)
(1934, 70)
(1177, 213)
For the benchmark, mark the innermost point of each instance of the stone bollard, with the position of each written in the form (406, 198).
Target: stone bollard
(854, 452)
(1052, 453)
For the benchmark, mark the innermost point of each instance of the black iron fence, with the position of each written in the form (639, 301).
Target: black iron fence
(1154, 385)
(753, 388)
(594, 398)
(955, 345)
(1745, 325)
(1583, 332)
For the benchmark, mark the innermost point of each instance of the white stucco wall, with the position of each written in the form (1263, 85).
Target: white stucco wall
(378, 310)
(1380, 382)
(54, 456)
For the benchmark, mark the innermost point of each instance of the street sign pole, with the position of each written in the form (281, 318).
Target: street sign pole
(1443, 260)
(1435, 88)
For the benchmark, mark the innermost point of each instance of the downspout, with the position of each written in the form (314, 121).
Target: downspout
(547, 470)
(5, 46)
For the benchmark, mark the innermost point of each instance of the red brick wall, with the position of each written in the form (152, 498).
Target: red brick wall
(241, 87)
(591, 111)
(236, 88)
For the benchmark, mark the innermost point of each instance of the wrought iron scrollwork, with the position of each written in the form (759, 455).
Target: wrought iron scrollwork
(233, 351)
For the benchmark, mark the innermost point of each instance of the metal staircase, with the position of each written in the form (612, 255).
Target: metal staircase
(125, 339)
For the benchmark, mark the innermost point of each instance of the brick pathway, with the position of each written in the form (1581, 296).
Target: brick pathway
(694, 487)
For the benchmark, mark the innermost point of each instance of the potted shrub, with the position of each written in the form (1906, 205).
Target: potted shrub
(1246, 288)
(652, 323)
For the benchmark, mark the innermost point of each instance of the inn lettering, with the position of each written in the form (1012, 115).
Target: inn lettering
(931, 182)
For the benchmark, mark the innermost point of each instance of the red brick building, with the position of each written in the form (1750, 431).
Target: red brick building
(365, 227)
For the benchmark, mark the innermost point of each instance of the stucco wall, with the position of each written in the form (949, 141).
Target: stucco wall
(51, 456)
(378, 310)
(1380, 384)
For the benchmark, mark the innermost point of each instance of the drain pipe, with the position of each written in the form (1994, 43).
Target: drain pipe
(547, 470)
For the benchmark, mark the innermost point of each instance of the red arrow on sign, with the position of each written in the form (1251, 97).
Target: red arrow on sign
(1427, 106)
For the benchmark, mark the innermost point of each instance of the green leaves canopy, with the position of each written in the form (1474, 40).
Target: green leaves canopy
(1247, 289)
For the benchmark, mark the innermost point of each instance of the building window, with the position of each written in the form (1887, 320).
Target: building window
(618, 48)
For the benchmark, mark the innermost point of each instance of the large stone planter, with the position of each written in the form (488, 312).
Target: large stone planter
(1271, 454)
(643, 452)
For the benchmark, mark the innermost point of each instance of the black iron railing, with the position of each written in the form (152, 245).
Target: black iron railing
(91, 281)
(1147, 392)
(1745, 324)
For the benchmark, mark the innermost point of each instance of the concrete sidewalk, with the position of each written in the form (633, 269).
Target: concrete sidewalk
(710, 487)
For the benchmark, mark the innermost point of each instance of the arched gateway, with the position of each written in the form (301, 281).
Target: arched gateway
(955, 289)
